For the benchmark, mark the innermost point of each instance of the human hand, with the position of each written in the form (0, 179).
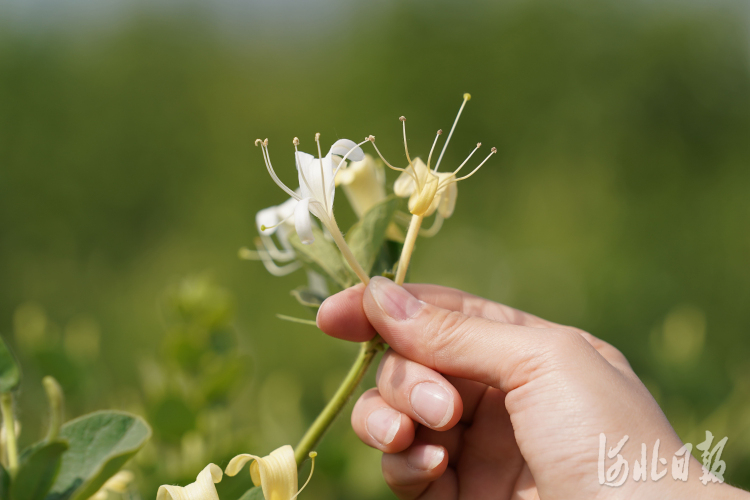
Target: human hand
(478, 400)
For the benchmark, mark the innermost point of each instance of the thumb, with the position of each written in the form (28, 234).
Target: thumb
(498, 354)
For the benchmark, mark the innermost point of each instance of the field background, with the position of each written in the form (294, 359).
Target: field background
(619, 201)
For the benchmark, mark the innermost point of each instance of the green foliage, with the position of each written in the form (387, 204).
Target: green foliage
(255, 493)
(99, 445)
(4, 483)
(366, 237)
(37, 471)
(10, 375)
(619, 193)
(324, 257)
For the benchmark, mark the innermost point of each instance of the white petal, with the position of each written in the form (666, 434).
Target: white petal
(202, 489)
(286, 209)
(302, 221)
(267, 217)
(303, 161)
(343, 146)
(314, 178)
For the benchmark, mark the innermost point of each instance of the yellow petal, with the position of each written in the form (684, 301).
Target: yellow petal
(276, 474)
(363, 183)
(202, 489)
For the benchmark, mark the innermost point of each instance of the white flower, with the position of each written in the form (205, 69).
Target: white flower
(276, 474)
(316, 191)
(202, 489)
(316, 183)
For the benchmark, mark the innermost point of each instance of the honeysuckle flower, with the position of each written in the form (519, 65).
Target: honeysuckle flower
(363, 183)
(118, 483)
(427, 189)
(316, 191)
(202, 489)
(276, 473)
(316, 183)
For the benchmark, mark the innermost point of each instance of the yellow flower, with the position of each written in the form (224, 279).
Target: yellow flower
(427, 189)
(276, 474)
(438, 190)
(364, 184)
(202, 489)
(116, 484)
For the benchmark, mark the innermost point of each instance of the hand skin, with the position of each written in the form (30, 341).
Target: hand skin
(476, 400)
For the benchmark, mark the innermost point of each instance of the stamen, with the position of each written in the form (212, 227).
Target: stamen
(258, 142)
(272, 173)
(322, 174)
(312, 456)
(341, 163)
(271, 266)
(295, 141)
(479, 144)
(492, 152)
(409, 171)
(429, 158)
(450, 134)
(406, 147)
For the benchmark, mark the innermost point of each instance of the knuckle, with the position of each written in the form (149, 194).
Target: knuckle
(444, 331)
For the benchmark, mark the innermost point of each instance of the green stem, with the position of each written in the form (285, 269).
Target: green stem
(6, 406)
(55, 399)
(367, 352)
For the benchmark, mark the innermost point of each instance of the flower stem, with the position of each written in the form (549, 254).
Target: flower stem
(411, 238)
(347, 252)
(367, 352)
(6, 406)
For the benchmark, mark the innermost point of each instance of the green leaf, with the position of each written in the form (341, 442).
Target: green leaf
(253, 494)
(10, 375)
(38, 471)
(387, 261)
(4, 483)
(307, 298)
(366, 237)
(324, 257)
(99, 444)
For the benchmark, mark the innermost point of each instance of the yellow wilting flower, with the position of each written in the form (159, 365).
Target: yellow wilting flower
(202, 489)
(364, 184)
(427, 189)
(276, 474)
(116, 484)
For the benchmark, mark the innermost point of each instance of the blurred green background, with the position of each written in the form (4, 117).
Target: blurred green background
(619, 201)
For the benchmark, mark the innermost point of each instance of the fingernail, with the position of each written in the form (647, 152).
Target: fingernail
(395, 301)
(383, 424)
(425, 457)
(432, 403)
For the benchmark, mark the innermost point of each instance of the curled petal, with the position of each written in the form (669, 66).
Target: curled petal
(276, 474)
(302, 221)
(448, 200)
(202, 489)
(343, 146)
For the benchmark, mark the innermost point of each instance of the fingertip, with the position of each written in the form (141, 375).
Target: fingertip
(341, 315)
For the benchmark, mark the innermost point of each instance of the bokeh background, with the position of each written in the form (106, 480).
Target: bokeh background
(619, 201)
